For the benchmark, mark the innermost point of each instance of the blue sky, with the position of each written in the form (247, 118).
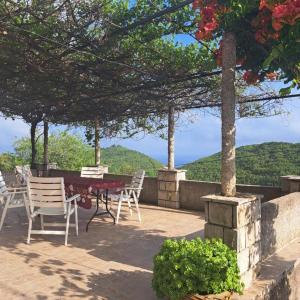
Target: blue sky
(193, 140)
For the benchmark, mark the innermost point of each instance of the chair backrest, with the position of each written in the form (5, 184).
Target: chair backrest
(92, 172)
(3, 187)
(46, 192)
(137, 181)
(22, 174)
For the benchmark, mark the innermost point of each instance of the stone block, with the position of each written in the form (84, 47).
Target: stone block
(161, 203)
(163, 195)
(257, 230)
(294, 186)
(256, 210)
(206, 206)
(250, 234)
(162, 185)
(248, 277)
(242, 215)
(172, 204)
(213, 231)
(255, 253)
(171, 186)
(220, 214)
(243, 259)
(235, 238)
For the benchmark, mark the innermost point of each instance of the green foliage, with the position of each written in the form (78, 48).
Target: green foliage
(123, 161)
(7, 161)
(186, 267)
(70, 152)
(256, 164)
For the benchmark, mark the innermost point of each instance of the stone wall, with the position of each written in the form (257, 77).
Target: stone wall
(280, 222)
(191, 191)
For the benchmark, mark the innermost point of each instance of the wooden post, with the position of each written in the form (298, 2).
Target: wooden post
(46, 143)
(33, 126)
(97, 143)
(171, 138)
(228, 94)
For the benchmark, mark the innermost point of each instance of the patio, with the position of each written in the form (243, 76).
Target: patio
(108, 262)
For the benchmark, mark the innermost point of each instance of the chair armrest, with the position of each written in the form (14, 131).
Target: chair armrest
(75, 197)
(12, 189)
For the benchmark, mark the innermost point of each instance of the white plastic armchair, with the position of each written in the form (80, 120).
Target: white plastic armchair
(47, 198)
(11, 197)
(130, 194)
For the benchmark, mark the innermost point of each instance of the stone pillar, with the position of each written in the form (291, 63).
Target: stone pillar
(237, 221)
(168, 187)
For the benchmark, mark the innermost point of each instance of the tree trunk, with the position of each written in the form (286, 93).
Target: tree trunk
(171, 138)
(97, 143)
(228, 169)
(33, 144)
(46, 143)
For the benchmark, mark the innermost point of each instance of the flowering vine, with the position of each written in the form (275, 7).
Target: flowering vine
(267, 24)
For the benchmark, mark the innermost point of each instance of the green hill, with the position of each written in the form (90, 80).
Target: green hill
(256, 164)
(124, 161)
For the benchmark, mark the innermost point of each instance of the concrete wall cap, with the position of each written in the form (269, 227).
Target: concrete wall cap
(240, 199)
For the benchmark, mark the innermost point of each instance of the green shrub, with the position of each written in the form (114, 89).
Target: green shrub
(199, 266)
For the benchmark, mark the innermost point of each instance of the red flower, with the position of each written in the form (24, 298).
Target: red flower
(281, 11)
(277, 25)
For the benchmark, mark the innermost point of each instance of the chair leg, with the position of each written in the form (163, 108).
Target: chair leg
(29, 230)
(67, 229)
(4, 212)
(119, 210)
(138, 210)
(26, 206)
(129, 206)
(76, 218)
(42, 222)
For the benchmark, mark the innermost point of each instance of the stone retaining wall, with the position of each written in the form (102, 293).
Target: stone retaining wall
(190, 191)
(280, 222)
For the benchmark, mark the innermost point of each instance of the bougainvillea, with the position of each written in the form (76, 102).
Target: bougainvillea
(267, 32)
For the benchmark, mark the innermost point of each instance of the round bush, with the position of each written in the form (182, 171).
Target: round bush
(198, 266)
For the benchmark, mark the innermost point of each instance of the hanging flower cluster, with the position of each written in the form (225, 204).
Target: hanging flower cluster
(267, 24)
(209, 12)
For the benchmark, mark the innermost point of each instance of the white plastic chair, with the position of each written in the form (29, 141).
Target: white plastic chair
(11, 197)
(93, 172)
(47, 198)
(130, 194)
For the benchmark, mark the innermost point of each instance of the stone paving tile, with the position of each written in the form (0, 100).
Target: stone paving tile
(109, 262)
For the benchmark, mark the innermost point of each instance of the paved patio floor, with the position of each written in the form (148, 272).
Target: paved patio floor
(108, 262)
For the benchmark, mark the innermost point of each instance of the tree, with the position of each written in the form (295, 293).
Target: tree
(257, 31)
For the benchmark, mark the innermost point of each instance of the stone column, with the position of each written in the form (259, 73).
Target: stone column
(237, 221)
(168, 187)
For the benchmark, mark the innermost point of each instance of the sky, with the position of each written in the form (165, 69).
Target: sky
(192, 140)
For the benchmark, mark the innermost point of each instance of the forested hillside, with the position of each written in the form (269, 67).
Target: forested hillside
(256, 164)
(70, 152)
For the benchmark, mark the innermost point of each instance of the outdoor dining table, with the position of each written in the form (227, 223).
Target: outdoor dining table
(87, 187)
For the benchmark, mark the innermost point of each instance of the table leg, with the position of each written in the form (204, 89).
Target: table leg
(106, 206)
(95, 213)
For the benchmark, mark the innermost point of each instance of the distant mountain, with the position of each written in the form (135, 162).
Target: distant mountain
(256, 164)
(124, 161)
